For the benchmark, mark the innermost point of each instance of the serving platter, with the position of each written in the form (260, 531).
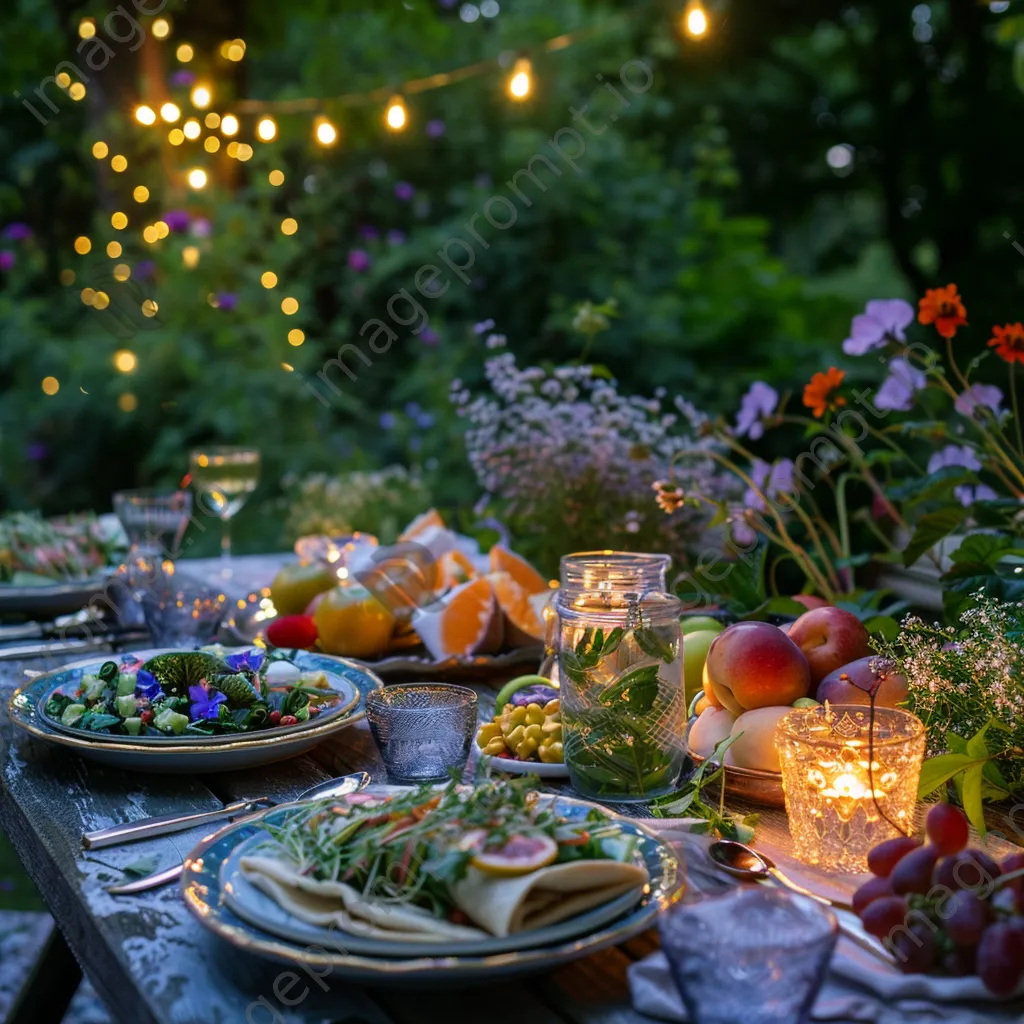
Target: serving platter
(47, 600)
(470, 666)
(193, 754)
(208, 888)
(753, 784)
(510, 765)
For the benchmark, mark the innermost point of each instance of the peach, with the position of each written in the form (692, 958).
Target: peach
(755, 665)
(754, 746)
(829, 638)
(709, 730)
(852, 683)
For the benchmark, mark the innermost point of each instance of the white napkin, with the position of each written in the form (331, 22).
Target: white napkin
(858, 989)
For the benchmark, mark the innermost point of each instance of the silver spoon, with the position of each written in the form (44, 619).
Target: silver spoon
(741, 861)
(330, 788)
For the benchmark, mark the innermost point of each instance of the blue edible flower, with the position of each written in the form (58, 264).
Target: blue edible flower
(246, 661)
(147, 686)
(203, 704)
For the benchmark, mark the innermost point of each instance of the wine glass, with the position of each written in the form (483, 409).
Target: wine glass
(223, 478)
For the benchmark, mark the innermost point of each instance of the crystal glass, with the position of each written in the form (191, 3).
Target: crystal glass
(756, 955)
(154, 520)
(423, 730)
(180, 611)
(223, 479)
(620, 666)
(850, 783)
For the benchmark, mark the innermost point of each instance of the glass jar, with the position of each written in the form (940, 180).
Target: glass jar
(620, 665)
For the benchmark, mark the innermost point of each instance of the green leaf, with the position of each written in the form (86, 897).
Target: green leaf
(973, 805)
(937, 771)
(931, 528)
(976, 746)
(884, 626)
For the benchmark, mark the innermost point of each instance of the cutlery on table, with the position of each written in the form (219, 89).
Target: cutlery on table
(331, 787)
(741, 861)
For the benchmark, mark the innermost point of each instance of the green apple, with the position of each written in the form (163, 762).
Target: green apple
(695, 652)
(700, 624)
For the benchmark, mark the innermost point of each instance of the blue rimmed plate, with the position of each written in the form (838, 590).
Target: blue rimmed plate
(211, 874)
(194, 754)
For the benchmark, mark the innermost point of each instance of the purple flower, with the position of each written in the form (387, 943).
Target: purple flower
(201, 227)
(396, 237)
(773, 480)
(987, 396)
(387, 421)
(483, 327)
(17, 231)
(6, 259)
(203, 705)
(968, 495)
(428, 336)
(246, 661)
(435, 129)
(144, 269)
(358, 260)
(898, 389)
(404, 191)
(36, 451)
(183, 77)
(760, 401)
(176, 220)
(227, 300)
(147, 686)
(882, 321)
(954, 455)
(412, 409)
(425, 420)
(368, 232)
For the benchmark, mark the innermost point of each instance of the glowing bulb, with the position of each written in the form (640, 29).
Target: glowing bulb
(289, 226)
(145, 115)
(190, 256)
(232, 150)
(268, 279)
(149, 307)
(82, 245)
(127, 402)
(296, 337)
(289, 306)
(141, 193)
(162, 229)
(150, 234)
(696, 20)
(77, 91)
(87, 296)
(211, 144)
(64, 80)
(170, 112)
(326, 133)
(229, 125)
(67, 277)
(185, 53)
(519, 84)
(122, 272)
(276, 177)
(192, 129)
(119, 221)
(87, 28)
(266, 129)
(125, 361)
(161, 28)
(113, 250)
(119, 163)
(101, 300)
(175, 136)
(100, 150)
(197, 178)
(233, 49)
(395, 116)
(211, 120)
(51, 385)
(201, 96)
(244, 152)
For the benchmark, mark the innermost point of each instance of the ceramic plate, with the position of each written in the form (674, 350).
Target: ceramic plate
(208, 870)
(512, 767)
(474, 666)
(199, 753)
(46, 601)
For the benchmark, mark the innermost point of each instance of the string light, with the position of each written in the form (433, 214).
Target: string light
(184, 53)
(233, 49)
(162, 229)
(197, 178)
(519, 84)
(77, 91)
(695, 19)
(87, 28)
(122, 272)
(296, 337)
(287, 367)
(170, 112)
(125, 361)
(119, 220)
(127, 402)
(149, 307)
(325, 132)
(192, 129)
(161, 28)
(211, 120)
(141, 193)
(87, 295)
(82, 245)
(175, 136)
(119, 163)
(289, 226)
(276, 177)
(67, 277)
(113, 250)
(268, 279)
(232, 150)
(145, 115)
(289, 306)
(201, 96)
(211, 144)
(64, 80)
(150, 234)
(51, 385)
(244, 152)
(100, 150)
(229, 125)
(101, 301)
(395, 116)
(266, 129)
(190, 256)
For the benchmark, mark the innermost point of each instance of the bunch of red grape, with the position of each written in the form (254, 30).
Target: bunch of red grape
(944, 908)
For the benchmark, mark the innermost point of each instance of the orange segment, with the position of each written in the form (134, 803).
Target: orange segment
(503, 560)
(454, 568)
(467, 623)
(431, 519)
(523, 625)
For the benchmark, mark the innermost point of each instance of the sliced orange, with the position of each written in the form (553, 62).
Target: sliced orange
(454, 568)
(519, 856)
(523, 626)
(503, 560)
(431, 519)
(468, 622)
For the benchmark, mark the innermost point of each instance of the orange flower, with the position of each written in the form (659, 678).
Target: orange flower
(1008, 341)
(820, 395)
(942, 307)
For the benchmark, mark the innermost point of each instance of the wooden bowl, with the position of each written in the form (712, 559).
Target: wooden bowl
(750, 784)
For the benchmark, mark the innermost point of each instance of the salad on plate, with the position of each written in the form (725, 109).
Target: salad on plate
(38, 552)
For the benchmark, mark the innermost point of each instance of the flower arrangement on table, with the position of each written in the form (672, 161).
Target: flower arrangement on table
(906, 482)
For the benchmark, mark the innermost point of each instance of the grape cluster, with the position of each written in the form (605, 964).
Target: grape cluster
(941, 907)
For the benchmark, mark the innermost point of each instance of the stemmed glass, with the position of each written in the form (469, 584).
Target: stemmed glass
(223, 479)
(154, 521)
